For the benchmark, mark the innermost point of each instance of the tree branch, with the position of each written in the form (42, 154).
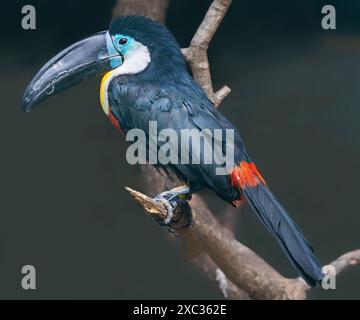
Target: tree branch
(197, 56)
(346, 261)
(241, 265)
(215, 251)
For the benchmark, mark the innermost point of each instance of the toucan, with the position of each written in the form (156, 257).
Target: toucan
(146, 78)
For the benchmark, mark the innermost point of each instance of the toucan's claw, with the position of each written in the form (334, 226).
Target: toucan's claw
(169, 199)
(170, 207)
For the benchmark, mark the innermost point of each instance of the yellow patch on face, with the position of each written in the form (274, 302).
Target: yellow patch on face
(104, 100)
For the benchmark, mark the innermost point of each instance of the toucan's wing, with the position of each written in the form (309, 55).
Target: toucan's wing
(176, 108)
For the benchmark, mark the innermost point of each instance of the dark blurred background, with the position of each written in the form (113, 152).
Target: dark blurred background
(63, 205)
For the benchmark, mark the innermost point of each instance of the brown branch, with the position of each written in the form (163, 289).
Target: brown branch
(346, 261)
(197, 56)
(241, 265)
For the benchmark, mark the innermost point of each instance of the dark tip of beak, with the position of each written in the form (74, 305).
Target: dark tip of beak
(83, 60)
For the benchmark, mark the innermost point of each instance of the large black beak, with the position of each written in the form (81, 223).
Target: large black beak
(82, 60)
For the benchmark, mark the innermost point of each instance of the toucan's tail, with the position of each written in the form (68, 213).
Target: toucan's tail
(277, 221)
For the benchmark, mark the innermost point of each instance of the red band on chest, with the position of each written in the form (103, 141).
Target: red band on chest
(114, 121)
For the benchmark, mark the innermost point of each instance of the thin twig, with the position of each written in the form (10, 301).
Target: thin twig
(346, 261)
(196, 53)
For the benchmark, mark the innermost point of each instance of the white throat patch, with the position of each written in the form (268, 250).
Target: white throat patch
(135, 61)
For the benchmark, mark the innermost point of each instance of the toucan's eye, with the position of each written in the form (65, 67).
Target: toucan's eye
(122, 41)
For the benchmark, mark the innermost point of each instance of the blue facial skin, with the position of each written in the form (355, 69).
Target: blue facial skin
(115, 61)
(115, 46)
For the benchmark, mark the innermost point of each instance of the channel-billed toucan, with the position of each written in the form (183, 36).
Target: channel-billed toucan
(146, 79)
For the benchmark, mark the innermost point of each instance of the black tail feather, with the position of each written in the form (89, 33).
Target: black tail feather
(286, 232)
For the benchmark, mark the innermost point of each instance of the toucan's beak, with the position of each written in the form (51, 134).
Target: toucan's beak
(83, 60)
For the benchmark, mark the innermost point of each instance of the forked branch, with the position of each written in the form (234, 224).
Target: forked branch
(219, 254)
(196, 53)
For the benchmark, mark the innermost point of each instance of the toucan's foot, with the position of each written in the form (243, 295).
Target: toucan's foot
(170, 198)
